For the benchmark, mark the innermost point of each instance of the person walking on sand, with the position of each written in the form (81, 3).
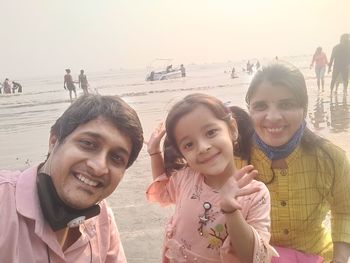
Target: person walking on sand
(83, 83)
(69, 84)
(221, 213)
(320, 60)
(341, 58)
(57, 211)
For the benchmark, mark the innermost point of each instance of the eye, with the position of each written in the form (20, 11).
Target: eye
(118, 159)
(212, 132)
(187, 146)
(289, 104)
(259, 106)
(87, 144)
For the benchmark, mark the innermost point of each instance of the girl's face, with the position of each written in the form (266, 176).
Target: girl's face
(276, 114)
(206, 142)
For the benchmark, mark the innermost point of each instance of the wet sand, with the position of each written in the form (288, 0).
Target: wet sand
(141, 224)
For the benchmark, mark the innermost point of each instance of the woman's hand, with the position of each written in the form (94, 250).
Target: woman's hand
(153, 144)
(235, 186)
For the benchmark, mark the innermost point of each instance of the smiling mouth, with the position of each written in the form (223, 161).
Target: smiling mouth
(275, 130)
(87, 181)
(207, 160)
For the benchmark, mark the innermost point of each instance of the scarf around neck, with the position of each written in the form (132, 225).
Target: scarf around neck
(280, 152)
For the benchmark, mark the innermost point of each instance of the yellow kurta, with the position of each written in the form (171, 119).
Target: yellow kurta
(302, 195)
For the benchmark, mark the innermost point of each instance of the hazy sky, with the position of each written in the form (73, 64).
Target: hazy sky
(40, 37)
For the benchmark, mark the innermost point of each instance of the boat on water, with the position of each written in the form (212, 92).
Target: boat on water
(162, 69)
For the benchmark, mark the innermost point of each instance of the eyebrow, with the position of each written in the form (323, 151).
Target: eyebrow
(99, 137)
(206, 126)
(281, 100)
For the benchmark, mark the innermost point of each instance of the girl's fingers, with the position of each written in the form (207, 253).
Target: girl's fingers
(247, 178)
(244, 170)
(247, 191)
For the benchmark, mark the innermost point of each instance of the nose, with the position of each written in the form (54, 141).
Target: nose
(98, 164)
(203, 146)
(273, 114)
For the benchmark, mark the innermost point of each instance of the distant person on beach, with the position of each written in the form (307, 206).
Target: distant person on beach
(169, 68)
(83, 83)
(69, 84)
(250, 67)
(16, 86)
(257, 65)
(307, 176)
(233, 73)
(341, 58)
(221, 213)
(321, 62)
(7, 86)
(183, 71)
(57, 211)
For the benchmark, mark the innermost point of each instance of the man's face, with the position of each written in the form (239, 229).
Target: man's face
(89, 163)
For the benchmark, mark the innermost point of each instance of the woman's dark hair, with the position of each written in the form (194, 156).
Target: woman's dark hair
(112, 108)
(173, 160)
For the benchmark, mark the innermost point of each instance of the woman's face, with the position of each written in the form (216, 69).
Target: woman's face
(276, 114)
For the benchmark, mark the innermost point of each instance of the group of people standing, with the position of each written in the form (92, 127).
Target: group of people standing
(250, 186)
(8, 88)
(340, 61)
(68, 83)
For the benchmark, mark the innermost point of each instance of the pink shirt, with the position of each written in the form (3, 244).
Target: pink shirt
(25, 236)
(320, 60)
(183, 242)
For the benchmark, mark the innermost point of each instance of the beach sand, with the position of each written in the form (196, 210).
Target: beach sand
(141, 224)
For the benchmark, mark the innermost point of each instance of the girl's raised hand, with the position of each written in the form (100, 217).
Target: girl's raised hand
(153, 144)
(237, 185)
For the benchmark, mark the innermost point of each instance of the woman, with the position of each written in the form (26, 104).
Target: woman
(307, 175)
(320, 60)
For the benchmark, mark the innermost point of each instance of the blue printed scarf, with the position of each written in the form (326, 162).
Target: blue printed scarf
(280, 152)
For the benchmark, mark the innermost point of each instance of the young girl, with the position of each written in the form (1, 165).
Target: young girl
(221, 213)
(320, 60)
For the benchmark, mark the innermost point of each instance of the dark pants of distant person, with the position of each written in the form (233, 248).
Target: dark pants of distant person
(344, 72)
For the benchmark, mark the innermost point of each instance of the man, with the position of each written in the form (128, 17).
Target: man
(183, 71)
(69, 84)
(56, 211)
(16, 86)
(341, 57)
(83, 83)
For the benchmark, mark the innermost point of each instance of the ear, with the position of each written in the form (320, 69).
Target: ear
(52, 142)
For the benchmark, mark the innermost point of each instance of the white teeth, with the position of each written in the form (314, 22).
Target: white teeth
(274, 129)
(86, 180)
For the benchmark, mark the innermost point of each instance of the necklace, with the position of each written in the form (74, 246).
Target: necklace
(203, 220)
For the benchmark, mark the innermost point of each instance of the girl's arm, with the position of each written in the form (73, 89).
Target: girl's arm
(153, 149)
(240, 232)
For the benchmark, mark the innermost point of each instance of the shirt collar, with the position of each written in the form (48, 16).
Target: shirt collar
(26, 195)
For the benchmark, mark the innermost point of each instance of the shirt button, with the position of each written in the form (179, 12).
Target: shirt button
(284, 172)
(283, 203)
(286, 231)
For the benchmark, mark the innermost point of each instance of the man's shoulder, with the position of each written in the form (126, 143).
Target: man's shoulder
(9, 177)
